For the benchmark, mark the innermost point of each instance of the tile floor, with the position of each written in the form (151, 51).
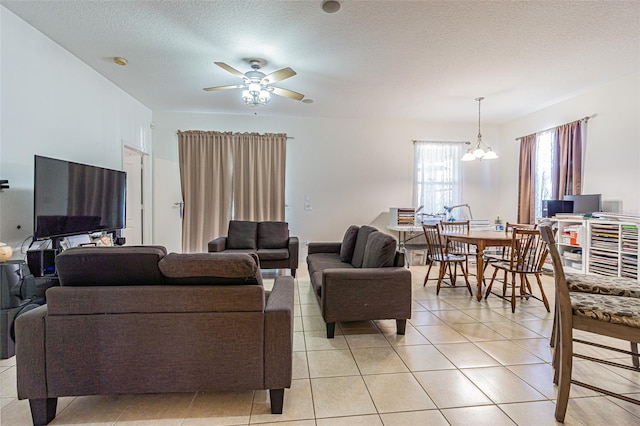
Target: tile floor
(461, 362)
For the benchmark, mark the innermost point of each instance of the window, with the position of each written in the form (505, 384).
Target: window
(545, 147)
(437, 175)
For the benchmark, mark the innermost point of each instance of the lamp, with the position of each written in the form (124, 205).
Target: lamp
(480, 151)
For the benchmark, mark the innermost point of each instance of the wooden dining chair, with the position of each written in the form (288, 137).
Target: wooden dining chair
(457, 247)
(528, 253)
(601, 314)
(503, 253)
(436, 247)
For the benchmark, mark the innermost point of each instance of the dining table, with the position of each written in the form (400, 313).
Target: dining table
(482, 240)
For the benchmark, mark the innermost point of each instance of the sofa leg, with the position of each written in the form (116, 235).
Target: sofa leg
(401, 325)
(293, 273)
(43, 410)
(277, 400)
(331, 330)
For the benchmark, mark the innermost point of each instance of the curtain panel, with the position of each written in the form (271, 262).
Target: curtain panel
(206, 172)
(258, 176)
(567, 170)
(226, 176)
(526, 181)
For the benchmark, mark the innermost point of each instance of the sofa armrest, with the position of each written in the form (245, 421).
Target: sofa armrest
(324, 248)
(358, 291)
(30, 354)
(294, 251)
(219, 244)
(278, 334)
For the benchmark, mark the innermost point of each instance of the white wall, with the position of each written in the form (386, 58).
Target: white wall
(612, 158)
(53, 104)
(351, 170)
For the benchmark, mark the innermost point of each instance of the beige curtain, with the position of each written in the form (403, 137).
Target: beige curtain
(567, 169)
(206, 171)
(526, 189)
(258, 176)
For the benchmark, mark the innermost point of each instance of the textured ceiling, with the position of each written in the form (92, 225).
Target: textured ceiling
(417, 60)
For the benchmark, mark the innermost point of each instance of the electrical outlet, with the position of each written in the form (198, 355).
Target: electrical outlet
(307, 207)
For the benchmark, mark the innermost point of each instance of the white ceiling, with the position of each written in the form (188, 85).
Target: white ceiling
(417, 60)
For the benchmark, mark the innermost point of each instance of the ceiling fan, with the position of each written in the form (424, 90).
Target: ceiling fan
(257, 85)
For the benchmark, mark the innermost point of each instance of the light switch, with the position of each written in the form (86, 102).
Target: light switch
(307, 207)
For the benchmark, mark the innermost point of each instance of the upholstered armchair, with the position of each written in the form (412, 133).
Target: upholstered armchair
(270, 240)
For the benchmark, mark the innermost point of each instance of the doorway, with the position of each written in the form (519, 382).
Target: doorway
(134, 166)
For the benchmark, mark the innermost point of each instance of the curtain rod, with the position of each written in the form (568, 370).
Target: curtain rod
(585, 119)
(178, 131)
(464, 142)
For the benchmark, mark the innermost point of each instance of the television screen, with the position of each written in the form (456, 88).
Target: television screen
(72, 198)
(550, 208)
(585, 203)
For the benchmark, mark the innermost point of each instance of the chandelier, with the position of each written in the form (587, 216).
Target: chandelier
(480, 151)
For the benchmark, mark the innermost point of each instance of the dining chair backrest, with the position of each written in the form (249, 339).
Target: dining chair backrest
(562, 289)
(434, 241)
(511, 226)
(456, 227)
(528, 250)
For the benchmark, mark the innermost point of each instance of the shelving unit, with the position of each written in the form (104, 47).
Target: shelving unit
(613, 248)
(402, 216)
(571, 244)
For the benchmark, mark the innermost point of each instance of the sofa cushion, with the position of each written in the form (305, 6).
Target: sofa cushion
(349, 243)
(273, 235)
(110, 266)
(273, 254)
(209, 268)
(380, 250)
(243, 234)
(361, 243)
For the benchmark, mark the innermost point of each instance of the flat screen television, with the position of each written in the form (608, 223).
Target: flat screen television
(72, 198)
(585, 203)
(550, 208)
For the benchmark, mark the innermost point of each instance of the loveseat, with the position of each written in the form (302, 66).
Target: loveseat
(270, 240)
(134, 320)
(361, 278)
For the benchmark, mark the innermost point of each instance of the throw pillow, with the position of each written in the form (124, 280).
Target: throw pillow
(361, 243)
(349, 243)
(380, 251)
(243, 234)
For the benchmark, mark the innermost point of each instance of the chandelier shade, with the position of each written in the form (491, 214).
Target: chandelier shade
(480, 151)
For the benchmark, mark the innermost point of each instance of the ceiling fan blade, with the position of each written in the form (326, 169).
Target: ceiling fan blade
(279, 75)
(230, 69)
(287, 93)
(232, 86)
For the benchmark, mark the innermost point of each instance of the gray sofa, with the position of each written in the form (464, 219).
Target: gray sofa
(132, 320)
(361, 278)
(270, 240)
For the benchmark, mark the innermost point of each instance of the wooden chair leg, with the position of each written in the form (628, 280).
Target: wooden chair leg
(513, 292)
(426, 278)
(565, 366)
(544, 296)
(493, 277)
(440, 276)
(465, 273)
(634, 358)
